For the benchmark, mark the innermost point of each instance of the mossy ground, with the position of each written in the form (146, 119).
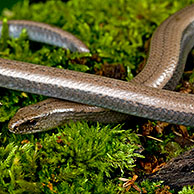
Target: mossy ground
(81, 157)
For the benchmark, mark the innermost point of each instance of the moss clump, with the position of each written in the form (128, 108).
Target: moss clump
(78, 158)
(187, 190)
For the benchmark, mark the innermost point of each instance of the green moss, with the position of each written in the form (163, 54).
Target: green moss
(187, 190)
(76, 158)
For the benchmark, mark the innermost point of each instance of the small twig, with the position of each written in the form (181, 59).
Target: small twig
(148, 136)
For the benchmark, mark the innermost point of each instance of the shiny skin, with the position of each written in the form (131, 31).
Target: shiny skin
(144, 96)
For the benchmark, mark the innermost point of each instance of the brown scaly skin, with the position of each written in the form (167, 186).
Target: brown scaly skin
(143, 96)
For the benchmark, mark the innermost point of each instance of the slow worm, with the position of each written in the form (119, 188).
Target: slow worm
(144, 96)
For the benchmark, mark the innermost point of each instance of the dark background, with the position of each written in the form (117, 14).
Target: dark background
(9, 3)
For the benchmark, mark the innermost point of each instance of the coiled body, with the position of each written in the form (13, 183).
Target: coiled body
(144, 96)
